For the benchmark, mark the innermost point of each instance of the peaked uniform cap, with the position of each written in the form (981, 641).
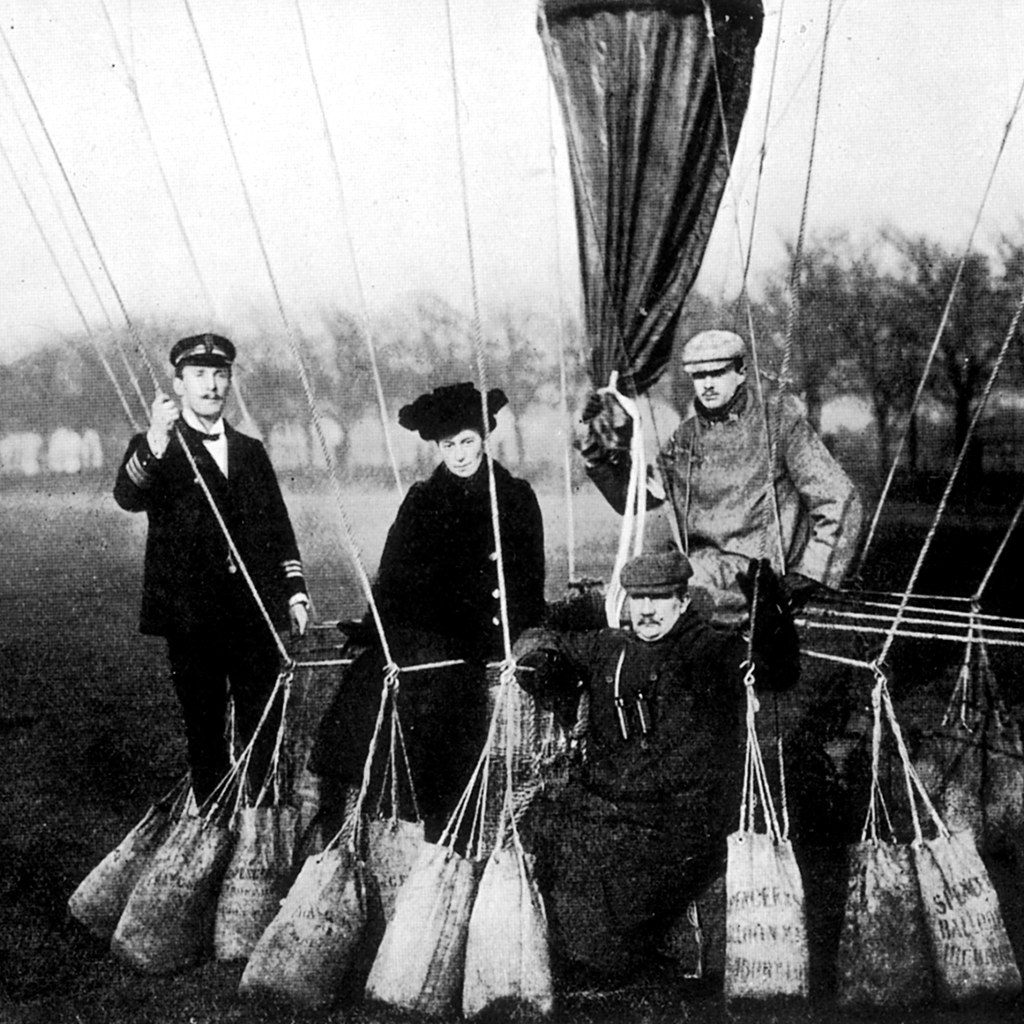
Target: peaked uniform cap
(712, 350)
(202, 350)
(450, 409)
(656, 574)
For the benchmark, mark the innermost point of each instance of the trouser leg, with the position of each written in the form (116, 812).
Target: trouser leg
(200, 682)
(252, 670)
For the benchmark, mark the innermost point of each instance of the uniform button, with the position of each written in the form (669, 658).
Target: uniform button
(493, 556)
(232, 568)
(496, 620)
(496, 592)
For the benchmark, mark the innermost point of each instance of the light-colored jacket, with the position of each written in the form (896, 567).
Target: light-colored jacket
(716, 472)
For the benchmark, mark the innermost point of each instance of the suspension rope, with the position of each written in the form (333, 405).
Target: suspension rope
(943, 321)
(762, 155)
(211, 306)
(793, 311)
(71, 295)
(563, 381)
(147, 362)
(478, 341)
(999, 553)
(366, 329)
(961, 456)
(291, 338)
(74, 243)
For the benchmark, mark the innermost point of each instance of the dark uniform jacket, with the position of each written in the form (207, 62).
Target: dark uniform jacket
(438, 572)
(191, 581)
(640, 826)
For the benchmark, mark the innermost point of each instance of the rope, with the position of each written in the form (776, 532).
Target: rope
(563, 383)
(763, 153)
(307, 387)
(999, 552)
(794, 279)
(478, 342)
(367, 331)
(961, 456)
(67, 286)
(943, 321)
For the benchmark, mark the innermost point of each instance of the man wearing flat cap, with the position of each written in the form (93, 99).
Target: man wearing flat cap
(639, 828)
(194, 593)
(715, 470)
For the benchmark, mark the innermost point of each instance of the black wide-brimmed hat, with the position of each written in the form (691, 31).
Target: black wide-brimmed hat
(451, 409)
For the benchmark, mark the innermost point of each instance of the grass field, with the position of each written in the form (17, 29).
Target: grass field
(90, 734)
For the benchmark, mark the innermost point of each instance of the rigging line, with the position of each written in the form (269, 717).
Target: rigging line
(73, 241)
(67, 285)
(478, 340)
(999, 552)
(762, 155)
(961, 456)
(944, 320)
(563, 379)
(917, 618)
(131, 83)
(81, 213)
(793, 311)
(291, 338)
(367, 330)
(745, 297)
(147, 362)
(133, 88)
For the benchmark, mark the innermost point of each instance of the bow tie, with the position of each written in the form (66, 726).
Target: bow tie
(201, 435)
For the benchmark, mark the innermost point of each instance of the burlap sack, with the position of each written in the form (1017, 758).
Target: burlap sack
(884, 952)
(766, 935)
(311, 944)
(420, 961)
(100, 899)
(167, 922)
(256, 880)
(949, 764)
(507, 960)
(972, 952)
(392, 847)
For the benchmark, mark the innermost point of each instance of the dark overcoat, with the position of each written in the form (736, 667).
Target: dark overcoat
(191, 582)
(439, 572)
(640, 826)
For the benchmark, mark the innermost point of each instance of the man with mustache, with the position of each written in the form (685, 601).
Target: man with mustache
(639, 827)
(715, 473)
(194, 593)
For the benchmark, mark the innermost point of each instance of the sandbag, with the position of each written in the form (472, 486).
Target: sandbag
(766, 935)
(167, 922)
(256, 880)
(100, 898)
(949, 764)
(973, 956)
(507, 959)
(311, 944)
(392, 846)
(884, 952)
(419, 964)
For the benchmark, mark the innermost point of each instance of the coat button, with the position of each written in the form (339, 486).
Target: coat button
(496, 592)
(496, 621)
(493, 556)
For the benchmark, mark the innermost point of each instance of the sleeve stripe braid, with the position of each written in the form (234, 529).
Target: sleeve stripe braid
(136, 473)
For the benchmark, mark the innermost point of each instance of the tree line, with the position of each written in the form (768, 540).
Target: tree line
(865, 318)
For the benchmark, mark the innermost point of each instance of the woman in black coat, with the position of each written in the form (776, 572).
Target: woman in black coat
(438, 597)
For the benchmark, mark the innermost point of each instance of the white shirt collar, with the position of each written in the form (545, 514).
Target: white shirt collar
(218, 448)
(193, 421)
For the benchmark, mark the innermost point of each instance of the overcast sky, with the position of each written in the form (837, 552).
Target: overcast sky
(916, 96)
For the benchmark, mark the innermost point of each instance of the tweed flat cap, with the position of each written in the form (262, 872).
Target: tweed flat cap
(712, 350)
(656, 574)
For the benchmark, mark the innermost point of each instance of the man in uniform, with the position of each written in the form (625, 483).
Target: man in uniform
(716, 469)
(194, 592)
(640, 826)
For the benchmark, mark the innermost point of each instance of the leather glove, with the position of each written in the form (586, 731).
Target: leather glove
(798, 589)
(608, 428)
